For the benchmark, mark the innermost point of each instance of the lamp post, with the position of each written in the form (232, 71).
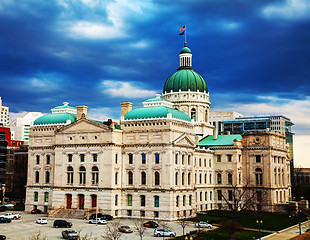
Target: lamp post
(299, 214)
(259, 224)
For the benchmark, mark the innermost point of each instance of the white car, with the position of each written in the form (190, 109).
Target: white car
(161, 232)
(97, 221)
(41, 221)
(203, 225)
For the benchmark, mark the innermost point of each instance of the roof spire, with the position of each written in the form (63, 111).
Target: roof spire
(185, 44)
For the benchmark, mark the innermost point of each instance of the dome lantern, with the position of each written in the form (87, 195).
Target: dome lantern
(185, 56)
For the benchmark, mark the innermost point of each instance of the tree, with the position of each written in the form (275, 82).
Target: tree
(183, 223)
(230, 227)
(140, 227)
(37, 236)
(112, 232)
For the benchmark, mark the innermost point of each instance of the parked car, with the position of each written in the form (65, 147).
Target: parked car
(41, 221)
(70, 234)
(97, 221)
(2, 209)
(150, 224)
(36, 211)
(203, 225)
(2, 237)
(11, 216)
(162, 232)
(101, 216)
(125, 229)
(62, 223)
(5, 220)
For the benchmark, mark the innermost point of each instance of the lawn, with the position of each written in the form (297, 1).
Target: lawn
(271, 221)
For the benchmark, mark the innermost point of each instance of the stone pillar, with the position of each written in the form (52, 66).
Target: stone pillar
(81, 112)
(126, 107)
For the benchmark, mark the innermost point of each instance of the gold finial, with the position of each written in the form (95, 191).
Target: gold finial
(185, 44)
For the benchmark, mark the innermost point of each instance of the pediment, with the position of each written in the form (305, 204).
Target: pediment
(84, 125)
(184, 140)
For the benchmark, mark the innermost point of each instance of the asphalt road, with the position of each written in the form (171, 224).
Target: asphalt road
(26, 228)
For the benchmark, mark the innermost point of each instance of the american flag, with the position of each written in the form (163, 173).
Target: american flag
(182, 28)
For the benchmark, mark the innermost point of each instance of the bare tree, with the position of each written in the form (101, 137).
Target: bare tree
(88, 236)
(37, 236)
(141, 229)
(112, 232)
(183, 223)
(163, 224)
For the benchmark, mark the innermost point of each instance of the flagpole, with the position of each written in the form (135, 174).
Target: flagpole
(185, 33)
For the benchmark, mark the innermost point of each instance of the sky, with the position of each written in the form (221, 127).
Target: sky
(253, 54)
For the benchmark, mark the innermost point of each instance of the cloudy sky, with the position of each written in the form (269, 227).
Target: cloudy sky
(254, 55)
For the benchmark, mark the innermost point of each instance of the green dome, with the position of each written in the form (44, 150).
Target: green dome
(156, 112)
(184, 79)
(185, 50)
(56, 118)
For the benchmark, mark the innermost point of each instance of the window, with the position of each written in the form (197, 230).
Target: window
(95, 157)
(130, 158)
(176, 178)
(183, 159)
(157, 178)
(82, 175)
(229, 176)
(210, 178)
(95, 175)
(143, 178)
(48, 159)
(177, 201)
(193, 114)
(239, 178)
(199, 162)
(156, 201)
(70, 175)
(157, 158)
(176, 159)
(189, 160)
(218, 158)
(229, 158)
(189, 178)
(200, 178)
(211, 198)
(116, 177)
(156, 214)
(190, 200)
(206, 196)
(239, 158)
(142, 200)
(47, 177)
(130, 178)
(259, 176)
(184, 200)
(258, 158)
(37, 159)
(129, 200)
(219, 195)
(37, 174)
(230, 195)
(143, 158)
(93, 201)
(36, 196)
(142, 213)
(116, 158)
(82, 157)
(129, 213)
(205, 178)
(209, 162)
(219, 178)
(116, 200)
(183, 176)
(69, 157)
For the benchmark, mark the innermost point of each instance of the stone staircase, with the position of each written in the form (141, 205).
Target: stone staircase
(70, 213)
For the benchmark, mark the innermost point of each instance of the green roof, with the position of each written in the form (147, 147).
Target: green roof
(156, 99)
(156, 112)
(56, 118)
(64, 106)
(185, 50)
(222, 140)
(184, 79)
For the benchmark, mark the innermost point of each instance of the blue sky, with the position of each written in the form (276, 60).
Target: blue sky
(254, 55)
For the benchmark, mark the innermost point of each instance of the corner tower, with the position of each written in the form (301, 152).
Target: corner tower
(188, 91)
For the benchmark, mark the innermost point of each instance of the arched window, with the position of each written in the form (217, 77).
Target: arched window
(70, 175)
(184, 200)
(95, 175)
(177, 201)
(130, 178)
(190, 200)
(219, 178)
(259, 176)
(189, 178)
(183, 176)
(143, 178)
(157, 178)
(193, 114)
(200, 178)
(47, 177)
(37, 176)
(229, 178)
(206, 116)
(116, 177)
(176, 178)
(275, 176)
(205, 178)
(82, 175)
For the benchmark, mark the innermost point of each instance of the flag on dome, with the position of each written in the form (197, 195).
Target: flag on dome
(182, 30)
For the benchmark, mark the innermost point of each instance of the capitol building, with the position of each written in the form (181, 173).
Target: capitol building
(164, 160)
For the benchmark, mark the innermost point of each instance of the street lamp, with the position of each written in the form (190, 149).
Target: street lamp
(299, 214)
(259, 224)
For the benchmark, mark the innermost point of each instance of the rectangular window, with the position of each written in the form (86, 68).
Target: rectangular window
(219, 195)
(157, 158)
(211, 198)
(176, 159)
(258, 158)
(142, 200)
(239, 157)
(183, 159)
(48, 159)
(116, 200)
(130, 158)
(46, 197)
(230, 195)
(116, 158)
(69, 157)
(229, 158)
(38, 159)
(143, 158)
(82, 157)
(129, 200)
(36, 196)
(142, 213)
(218, 158)
(95, 157)
(156, 214)
(129, 213)
(156, 201)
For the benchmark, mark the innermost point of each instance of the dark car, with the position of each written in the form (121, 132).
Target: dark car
(101, 216)
(36, 211)
(70, 234)
(2, 209)
(62, 223)
(2, 237)
(4, 220)
(150, 224)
